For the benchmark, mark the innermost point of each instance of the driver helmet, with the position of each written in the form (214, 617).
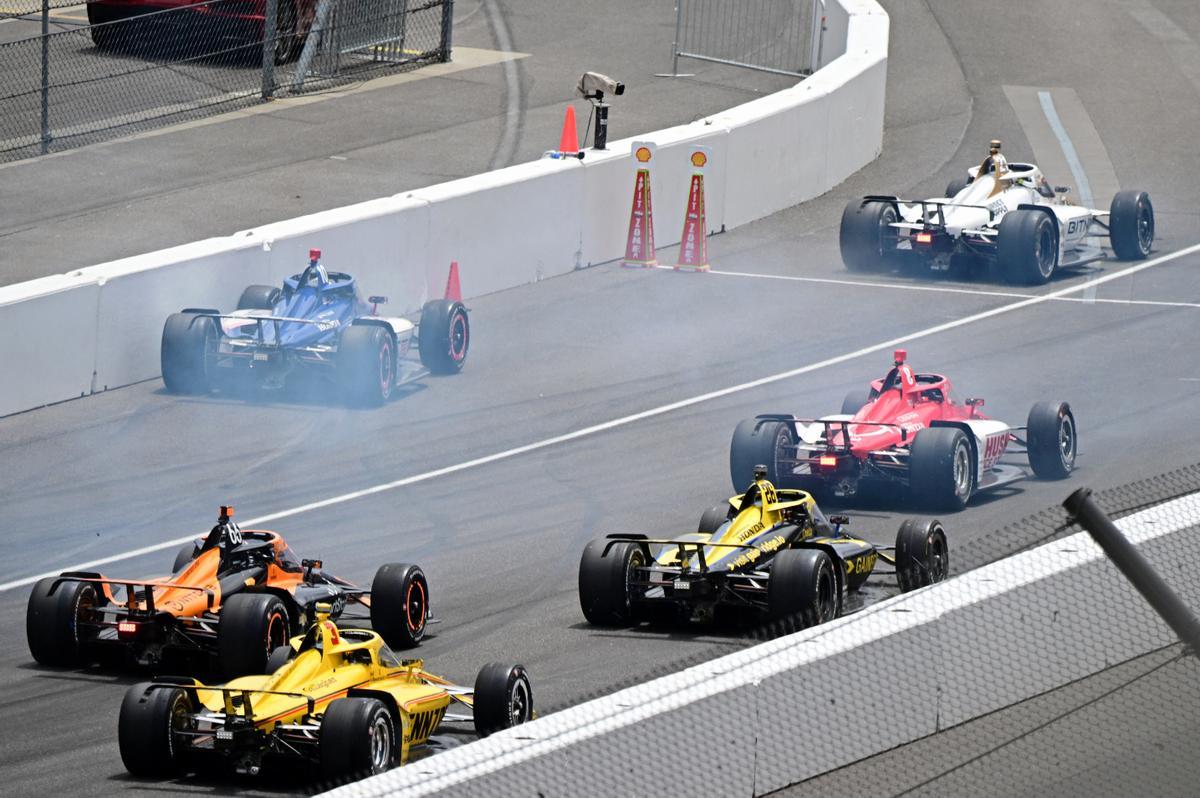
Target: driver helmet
(994, 146)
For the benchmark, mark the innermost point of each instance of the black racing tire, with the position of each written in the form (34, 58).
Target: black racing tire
(922, 554)
(357, 738)
(864, 238)
(605, 593)
(55, 625)
(1053, 440)
(104, 36)
(188, 343)
(503, 698)
(856, 400)
(400, 604)
(366, 362)
(1027, 247)
(940, 469)
(444, 337)
(252, 626)
(803, 589)
(187, 552)
(148, 729)
(763, 443)
(1131, 225)
(956, 185)
(713, 517)
(259, 297)
(279, 657)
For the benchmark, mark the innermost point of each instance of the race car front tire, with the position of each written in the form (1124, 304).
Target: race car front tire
(605, 594)
(956, 185)
(1053, 440)
(940, 471)
(188, 341)
(759, 443)
(54, 624)
(1131, 225)
(400, 604)
(856, 400)
(922, 554)
(712, 518)
(367, 364)
(149, 729)
(865, 238)
(503, 698)
(803, 590)
(358, 738)
(252, 626)
(1027, 247)
(259, 297)
(187, 552)
(444, 336)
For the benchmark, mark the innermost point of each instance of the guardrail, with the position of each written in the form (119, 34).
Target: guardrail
(779, 713)
(99, 327)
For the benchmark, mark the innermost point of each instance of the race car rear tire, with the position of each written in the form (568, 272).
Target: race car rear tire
(400, 604)
(760, 443)
(188, 342)
(187, 552)
(358, 738)
(712, 518)
(1027, 247)
(922, 554)
(803, 589)
(1053, 440)
(956, 185)
(940, 469)
(259, 297)
(148, 729)
(605, 594)
(55, 625)
(503, 698)
(865, 238)
(367, 364)
(856, 400)
(252, 626)
(444, 336)
(1131, 225)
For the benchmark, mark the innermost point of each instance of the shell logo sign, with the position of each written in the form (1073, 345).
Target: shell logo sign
(699, 159)
(642, 154)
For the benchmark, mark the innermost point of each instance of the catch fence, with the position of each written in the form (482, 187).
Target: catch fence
(778, 36)
(140, 64)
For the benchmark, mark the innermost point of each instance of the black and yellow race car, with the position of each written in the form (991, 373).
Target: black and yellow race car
(771, 553)
(335, 697)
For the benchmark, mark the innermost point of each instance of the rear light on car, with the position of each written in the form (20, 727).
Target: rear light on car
(828, 461)
(924, 237)
(127, 630)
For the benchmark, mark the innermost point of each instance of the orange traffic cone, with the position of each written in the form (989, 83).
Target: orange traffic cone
(453, 291)
(569, 142)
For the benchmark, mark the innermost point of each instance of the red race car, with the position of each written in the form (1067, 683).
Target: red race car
(905, 429)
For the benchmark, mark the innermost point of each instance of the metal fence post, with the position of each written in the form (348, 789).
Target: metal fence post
(674, 73)
(447, 28)
(1133, 565)
(270, 42)
(45, 76)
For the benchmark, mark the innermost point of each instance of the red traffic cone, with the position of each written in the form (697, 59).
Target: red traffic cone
(453, 291)
(569, 141)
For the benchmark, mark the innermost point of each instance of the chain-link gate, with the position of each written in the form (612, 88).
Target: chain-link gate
(140, 64)
(778, 36)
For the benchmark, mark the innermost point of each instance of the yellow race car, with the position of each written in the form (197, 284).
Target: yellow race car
(337, 697)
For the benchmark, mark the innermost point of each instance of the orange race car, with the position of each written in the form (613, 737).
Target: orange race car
(233, 597)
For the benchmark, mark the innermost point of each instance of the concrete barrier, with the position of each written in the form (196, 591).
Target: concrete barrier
(505, 228)
(769, 716)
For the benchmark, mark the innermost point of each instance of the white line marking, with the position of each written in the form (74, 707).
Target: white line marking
(948, 290)
(630, 419)
(1068, 148)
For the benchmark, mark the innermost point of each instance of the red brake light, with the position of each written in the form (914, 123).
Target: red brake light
(127, 628)
(828, 461)
(925, 238)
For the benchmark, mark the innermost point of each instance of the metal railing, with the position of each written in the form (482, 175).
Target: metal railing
(778, 36)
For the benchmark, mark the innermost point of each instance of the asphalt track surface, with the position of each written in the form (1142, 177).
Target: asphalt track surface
(500, 541)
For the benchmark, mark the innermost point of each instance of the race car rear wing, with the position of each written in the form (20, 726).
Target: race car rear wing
(203, 313)
(684, 546)
(129, 585)
(841, 425)
(229, 693)
(925, 205)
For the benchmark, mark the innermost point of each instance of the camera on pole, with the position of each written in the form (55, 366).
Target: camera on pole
(592, 86)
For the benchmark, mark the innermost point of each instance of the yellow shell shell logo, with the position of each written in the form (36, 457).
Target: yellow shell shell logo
(699, 159)
(642, 154)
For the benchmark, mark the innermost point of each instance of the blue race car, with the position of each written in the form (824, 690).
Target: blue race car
(316, 322)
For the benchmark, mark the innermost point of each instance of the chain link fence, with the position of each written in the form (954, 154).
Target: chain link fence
(141, 64)
(777, 36)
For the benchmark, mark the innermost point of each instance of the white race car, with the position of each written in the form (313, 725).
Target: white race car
(1011, 220)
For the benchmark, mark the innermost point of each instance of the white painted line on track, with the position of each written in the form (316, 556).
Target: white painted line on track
(946, 289)
(630, 419)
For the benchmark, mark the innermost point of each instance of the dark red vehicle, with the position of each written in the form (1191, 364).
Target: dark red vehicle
(905, 429)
